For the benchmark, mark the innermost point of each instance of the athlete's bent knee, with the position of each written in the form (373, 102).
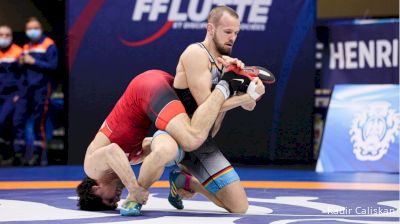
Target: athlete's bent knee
(240, 208)
(164, 154)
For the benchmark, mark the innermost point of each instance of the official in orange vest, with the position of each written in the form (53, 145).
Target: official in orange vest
(10, 87)
(39, 62)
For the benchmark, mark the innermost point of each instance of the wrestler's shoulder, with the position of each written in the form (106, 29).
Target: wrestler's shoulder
(194, 51)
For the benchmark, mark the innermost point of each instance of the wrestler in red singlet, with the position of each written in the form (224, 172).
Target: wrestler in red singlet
(148, 98)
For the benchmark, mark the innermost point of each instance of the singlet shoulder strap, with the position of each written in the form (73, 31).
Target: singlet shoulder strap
(210, 57)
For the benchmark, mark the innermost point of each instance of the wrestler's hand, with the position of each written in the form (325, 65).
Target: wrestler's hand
(139, 194)
(185, 194)
(256, 89)
(260, 88)
(226, 61)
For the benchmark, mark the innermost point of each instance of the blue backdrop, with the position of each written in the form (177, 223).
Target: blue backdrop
(362, 129)
(358, 52)
(112, 41)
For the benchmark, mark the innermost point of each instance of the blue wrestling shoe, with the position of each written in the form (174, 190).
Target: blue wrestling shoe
(131, 209)
(177, 179)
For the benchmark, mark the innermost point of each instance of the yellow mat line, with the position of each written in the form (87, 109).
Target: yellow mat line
(247, 184)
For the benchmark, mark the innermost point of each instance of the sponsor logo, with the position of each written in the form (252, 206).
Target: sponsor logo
(239, 80)
(373, 130)
(192, 15)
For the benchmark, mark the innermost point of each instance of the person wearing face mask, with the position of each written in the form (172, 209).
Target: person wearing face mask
(10, 87)
(39, 62)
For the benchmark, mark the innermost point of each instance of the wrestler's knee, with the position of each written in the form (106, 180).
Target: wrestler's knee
(234, 198)
(240, 207)
(164, 153)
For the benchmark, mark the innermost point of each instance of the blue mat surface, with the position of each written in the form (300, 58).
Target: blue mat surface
(277, 206)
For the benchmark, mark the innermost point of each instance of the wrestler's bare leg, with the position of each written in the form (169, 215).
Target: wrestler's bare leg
(191, 133)
(197, 187)
(232, 197)
(163, 150)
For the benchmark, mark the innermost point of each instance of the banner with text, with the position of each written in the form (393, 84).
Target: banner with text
(358, 52)
(110, 42)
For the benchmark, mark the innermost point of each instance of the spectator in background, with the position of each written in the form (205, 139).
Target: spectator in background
(39, 61)
(10, 85)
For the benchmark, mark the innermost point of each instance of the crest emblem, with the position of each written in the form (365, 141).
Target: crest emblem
(373, 130)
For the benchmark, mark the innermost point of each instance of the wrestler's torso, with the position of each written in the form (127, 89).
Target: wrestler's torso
(184, 94)
(128, 121)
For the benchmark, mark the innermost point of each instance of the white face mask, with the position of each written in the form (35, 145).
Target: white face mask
(5, 42)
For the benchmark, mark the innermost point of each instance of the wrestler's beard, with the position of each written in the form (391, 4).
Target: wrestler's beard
(220, 47)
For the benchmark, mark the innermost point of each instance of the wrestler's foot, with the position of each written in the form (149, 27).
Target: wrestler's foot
(131, 209)
(256, 71)
(235, 78)
(178, 179)
(264, 74)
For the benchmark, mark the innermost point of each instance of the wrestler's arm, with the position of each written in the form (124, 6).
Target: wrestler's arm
(246, 102)
(113, 158)
(217, 124)
(196, 65)
(119, 163)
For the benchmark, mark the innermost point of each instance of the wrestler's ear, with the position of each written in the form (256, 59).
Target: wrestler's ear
(210, 29)
(95, 188)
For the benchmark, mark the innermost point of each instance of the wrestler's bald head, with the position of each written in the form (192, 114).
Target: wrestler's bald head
(217, 12)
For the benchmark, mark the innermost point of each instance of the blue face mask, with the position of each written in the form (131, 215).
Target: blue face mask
(34, 34)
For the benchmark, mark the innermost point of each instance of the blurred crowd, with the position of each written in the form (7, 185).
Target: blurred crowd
(25, 86)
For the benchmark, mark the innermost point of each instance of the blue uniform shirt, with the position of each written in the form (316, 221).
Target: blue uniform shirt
(46, 59)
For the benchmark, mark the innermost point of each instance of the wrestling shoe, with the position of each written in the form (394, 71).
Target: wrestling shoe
(131, 209)
(239, 79)
(235, 78)
(264, 74)
(178, 179)
(252, 72)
